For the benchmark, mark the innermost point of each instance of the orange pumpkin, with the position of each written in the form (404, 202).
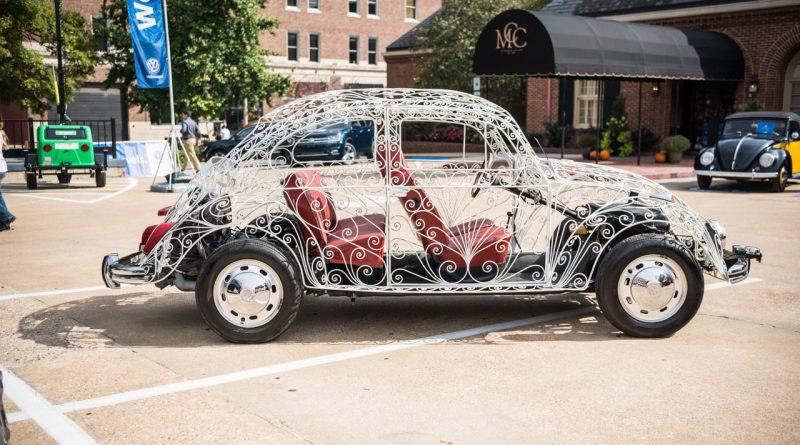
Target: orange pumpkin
(605, 155)
(592, 154)
(661, 157)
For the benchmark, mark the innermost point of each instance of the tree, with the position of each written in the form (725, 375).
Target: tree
(216, 57)
(447, 46)
(24, 78)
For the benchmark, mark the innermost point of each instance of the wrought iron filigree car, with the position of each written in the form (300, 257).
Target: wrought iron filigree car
(252, 236)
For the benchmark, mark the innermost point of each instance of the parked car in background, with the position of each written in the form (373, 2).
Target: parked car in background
(763, 145)
(344, 141)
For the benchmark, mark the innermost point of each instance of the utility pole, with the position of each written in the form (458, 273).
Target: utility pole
(61, 106)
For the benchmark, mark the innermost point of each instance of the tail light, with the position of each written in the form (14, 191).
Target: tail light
(85, 147)
(47, 147)
(163, 211)
(153, 234)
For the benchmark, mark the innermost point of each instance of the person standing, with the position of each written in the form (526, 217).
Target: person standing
(224, 133)
(190, 134)
(6, 218)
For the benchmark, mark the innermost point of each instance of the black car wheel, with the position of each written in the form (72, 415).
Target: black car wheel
(778, 183)
(249, 291)
(649, 286)
(704, 182)
(100, 178)
(30, 180)
(217, 154)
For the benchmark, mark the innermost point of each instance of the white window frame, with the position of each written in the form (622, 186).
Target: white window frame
(319, 52)
(413, 8)
(372, 3)
(375, 52)
(585, 103)
(296, 47)
(350, 50)
(295, 7)
(358, 8)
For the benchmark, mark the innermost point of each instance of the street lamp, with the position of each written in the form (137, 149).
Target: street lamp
(656, 88)
(752, 87)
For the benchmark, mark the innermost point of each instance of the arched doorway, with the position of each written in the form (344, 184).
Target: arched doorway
(791, 87)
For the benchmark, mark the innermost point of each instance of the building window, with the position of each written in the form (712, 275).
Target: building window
(292, 4)
(313, 5)
(352, 6)
(313, 47)
(411, 9)
(585, 103)
(372, 51)
(291, 46)
(353, 49)
(99, 32)
(372, 7)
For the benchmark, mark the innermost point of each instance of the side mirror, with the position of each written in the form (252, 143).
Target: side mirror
(795, 135)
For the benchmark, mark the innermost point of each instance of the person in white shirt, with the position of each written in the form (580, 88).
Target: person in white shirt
(6, 218)
(224, 133)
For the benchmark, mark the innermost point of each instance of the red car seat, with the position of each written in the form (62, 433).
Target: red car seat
(356, 241)
(472, 243)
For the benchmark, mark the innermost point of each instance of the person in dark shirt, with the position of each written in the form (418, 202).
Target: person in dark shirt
(190, 134)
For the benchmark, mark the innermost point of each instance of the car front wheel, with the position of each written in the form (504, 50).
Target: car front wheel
(349, 155)
(249, 291)
(778, 184)
(704, 182)
(649, 286)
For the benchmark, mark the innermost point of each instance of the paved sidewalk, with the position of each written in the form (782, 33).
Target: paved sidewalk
(649, 169)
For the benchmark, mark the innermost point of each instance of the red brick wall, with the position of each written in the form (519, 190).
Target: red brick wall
(402, 70)
(335, 26)
(658, 113)
(542, 103)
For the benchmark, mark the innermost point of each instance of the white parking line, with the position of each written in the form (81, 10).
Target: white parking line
(57, 292)
(53, 422)
(154, 391)
(131, 183)
(724, 284)
(146, 393)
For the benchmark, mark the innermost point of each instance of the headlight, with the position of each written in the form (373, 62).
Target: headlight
(766, 159)
(707, 158)
(718, 229)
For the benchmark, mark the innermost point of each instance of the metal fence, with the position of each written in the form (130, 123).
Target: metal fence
(22, 135)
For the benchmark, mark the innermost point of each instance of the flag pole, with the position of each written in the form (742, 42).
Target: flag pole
(173, 150)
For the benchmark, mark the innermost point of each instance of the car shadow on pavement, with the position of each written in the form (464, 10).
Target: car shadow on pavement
(153, 319)
(731, 186)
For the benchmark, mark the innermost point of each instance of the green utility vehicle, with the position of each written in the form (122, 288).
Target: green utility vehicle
(64, 150)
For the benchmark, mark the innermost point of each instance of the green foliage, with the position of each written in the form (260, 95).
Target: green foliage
(447, 46)
(586, 140)
(24, 78)
(605, 141)
(553, 132)
(625, 146)
(615, 127)
(676, 144)
(752, 105)
(216, 57)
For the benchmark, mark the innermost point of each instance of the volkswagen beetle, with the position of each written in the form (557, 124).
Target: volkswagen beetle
(761, 145)
(251, 236)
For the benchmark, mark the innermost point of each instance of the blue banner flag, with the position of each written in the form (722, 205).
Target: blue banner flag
(146, 21)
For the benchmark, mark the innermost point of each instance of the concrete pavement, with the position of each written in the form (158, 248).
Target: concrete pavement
(728, 377)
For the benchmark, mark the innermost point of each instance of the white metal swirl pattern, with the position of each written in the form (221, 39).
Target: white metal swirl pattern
(385, 224)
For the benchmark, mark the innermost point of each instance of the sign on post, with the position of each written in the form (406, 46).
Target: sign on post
(476, 86)
(146, 21)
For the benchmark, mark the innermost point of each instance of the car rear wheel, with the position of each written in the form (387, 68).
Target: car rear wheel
(704, 182)
(649, 286)
(30, 180)
(249, 291)
(100, 178)
(778, 183)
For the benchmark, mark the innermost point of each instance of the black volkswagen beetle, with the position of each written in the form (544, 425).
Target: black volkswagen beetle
(762, 145)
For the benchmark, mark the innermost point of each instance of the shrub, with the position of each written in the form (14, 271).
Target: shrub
(675, 144)
(553, 133)
(625, 147)
(649, 139)
(586, 140)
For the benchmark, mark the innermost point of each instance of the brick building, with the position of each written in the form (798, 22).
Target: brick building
(321, 44)
(766, 31)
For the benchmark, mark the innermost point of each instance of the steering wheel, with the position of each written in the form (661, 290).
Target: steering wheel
(479, 179)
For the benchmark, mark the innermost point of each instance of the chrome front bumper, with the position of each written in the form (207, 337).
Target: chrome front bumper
(118, 271)
(740, 175)
(737, 261)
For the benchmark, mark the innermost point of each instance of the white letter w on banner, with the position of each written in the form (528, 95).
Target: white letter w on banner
(144, 17)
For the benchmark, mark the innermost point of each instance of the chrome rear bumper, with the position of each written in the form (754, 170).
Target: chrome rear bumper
(737, 262)
(739, 175)
(118, 271)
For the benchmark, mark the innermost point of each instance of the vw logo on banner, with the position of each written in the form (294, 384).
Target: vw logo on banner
(146, 20)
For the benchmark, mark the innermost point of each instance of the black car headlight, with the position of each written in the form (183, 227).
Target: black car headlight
(707, 158)
(766, 159)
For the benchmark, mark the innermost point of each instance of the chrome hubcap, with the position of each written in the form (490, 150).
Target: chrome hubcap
(349, 153)
(652, 288)
(248, 293)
